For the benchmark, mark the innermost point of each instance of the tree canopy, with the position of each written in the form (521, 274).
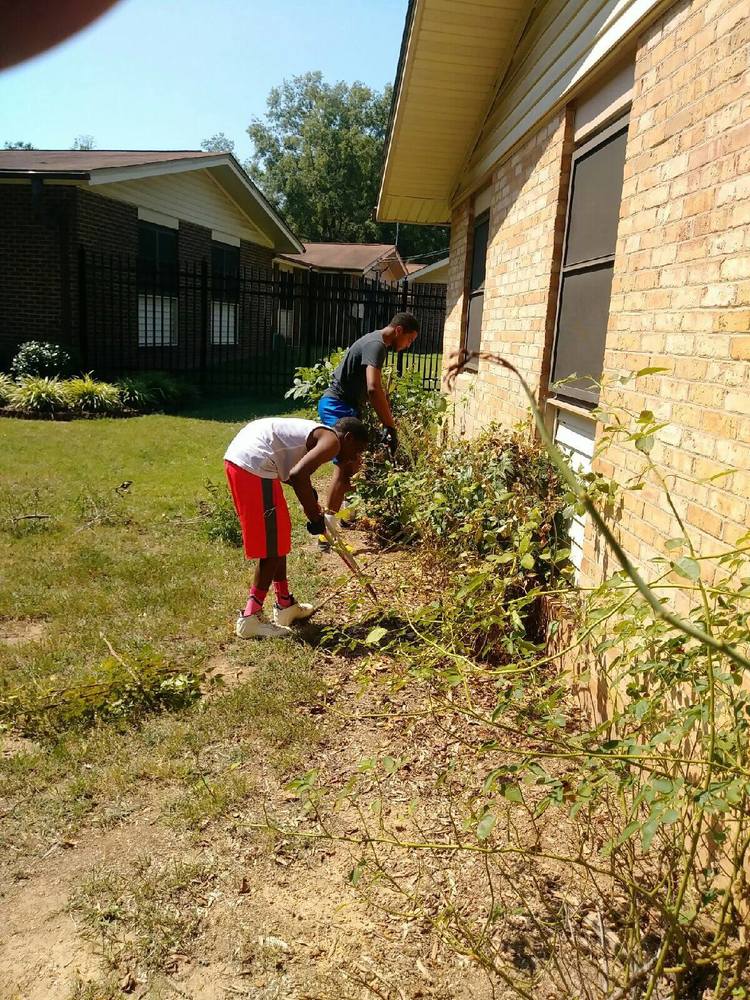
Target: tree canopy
(218, 143)
(317, 156)
(19, 144)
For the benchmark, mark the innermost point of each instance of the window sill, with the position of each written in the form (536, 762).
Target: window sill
(579, 408)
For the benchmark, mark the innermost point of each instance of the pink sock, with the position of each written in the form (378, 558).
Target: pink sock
(283, 597)
(254, 604)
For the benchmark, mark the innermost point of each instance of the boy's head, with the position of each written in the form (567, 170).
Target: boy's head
(354, 437)
(407, 328)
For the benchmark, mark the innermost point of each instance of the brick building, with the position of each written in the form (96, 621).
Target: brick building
(593, 160)
(133, 258)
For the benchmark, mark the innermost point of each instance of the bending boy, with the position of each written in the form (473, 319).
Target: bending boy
(263, 455)
(357, 380)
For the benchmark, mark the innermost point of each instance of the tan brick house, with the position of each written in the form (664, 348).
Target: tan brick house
(593, 160)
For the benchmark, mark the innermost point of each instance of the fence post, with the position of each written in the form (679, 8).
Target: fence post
(83, 317)
(404, 308)
(309, 314)
(204, 321)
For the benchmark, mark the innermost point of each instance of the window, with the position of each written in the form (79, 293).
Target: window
(588, 263)
(225, 292)
(473, 335)
(156, 273)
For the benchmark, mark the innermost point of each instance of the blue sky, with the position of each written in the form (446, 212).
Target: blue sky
(165, 74)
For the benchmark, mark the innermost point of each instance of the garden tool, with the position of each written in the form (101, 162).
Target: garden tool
(342, 550)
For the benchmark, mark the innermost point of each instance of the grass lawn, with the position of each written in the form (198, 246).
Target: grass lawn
(133, 568)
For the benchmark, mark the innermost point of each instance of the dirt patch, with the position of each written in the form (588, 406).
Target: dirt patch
(42, 953)
(14, 632)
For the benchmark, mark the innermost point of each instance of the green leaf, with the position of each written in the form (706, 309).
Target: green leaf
(512, 793)
(375, 635)
(528, 561)
(645, 444)
(687, 568)
(674, 543)
(650, 371)
(485, 825)
(645, 417)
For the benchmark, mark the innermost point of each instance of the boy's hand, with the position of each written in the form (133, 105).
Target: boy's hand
(316, 526)
(390, 440)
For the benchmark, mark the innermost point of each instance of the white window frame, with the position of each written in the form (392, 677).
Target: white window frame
(223, 323)
(158, 317)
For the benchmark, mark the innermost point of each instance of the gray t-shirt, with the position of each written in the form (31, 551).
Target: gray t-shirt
(349, 383)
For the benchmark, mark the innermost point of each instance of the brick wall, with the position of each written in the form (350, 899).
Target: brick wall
(681, 290)
(34, 253)
(527, 216)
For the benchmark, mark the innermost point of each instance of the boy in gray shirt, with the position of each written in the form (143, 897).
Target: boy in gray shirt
(358, 380)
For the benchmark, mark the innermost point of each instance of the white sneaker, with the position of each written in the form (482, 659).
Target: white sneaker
(258, 627)
(294, 613)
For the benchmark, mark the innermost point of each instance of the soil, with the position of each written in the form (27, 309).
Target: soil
(284, 917)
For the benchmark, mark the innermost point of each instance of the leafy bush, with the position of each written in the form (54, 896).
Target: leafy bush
(37, 357)
(85, 394)
(38, 394)
(6, 388)
(137, 393)
(311, 382)
(168, 391)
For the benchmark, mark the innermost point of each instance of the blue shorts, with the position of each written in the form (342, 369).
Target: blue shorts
(330, 410)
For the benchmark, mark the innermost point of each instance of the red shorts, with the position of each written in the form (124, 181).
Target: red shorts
(263, 513)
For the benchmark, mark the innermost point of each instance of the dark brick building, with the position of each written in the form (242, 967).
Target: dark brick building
(136, 259)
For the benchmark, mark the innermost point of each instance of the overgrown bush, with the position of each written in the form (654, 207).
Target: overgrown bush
(310, 382)
(40, 358)
(137, 393)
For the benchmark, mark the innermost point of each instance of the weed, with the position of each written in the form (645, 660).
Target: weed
(102, 507)
(22, 512)
(218, 516)
(312, 381)
(120, 688)
(145, 914)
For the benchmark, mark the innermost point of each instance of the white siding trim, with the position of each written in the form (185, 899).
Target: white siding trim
(219, 237)
(554, 60)
(575, 435)
(158, 218)
(482, 201)
(606, 101)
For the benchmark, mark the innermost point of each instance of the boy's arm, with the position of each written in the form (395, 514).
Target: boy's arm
(326, 447)
(377, 396)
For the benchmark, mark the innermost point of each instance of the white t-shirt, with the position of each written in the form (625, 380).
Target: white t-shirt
(272, 446)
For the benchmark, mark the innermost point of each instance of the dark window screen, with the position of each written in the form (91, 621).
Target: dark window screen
(582, 328)
(157, 258)
(588, 264)
(479, 253)
(595, 202)
(225, 271)
(473, 332)
(474, 324)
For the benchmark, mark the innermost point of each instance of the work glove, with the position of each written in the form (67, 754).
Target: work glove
(390, 440)
(316, 527)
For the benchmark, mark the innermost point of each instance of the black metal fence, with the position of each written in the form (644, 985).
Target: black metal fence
(247, 330)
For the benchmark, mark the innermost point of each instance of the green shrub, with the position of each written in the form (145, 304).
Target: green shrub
(38, 394)
(168, 391)
(6, 388)
(37, 357)
(85, 394)
(312, 381)
(137, 393)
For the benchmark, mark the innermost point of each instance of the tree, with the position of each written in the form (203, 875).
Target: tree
(317, 156)
(84, 142)
(18, 145)
(218, 143)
